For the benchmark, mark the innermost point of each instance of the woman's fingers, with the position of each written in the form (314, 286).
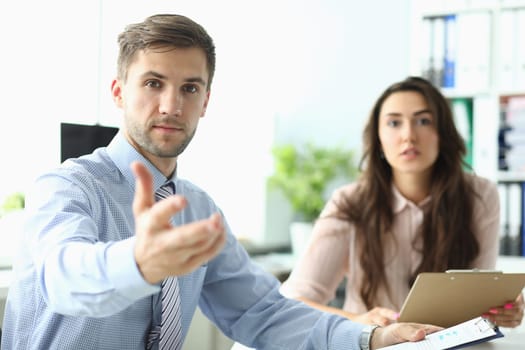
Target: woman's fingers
(509, 315)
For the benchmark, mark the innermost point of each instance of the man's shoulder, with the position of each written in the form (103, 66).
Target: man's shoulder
(95, 167)
(196, 195)
(188, 188)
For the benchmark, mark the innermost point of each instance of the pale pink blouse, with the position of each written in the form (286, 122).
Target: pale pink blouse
(331, 253)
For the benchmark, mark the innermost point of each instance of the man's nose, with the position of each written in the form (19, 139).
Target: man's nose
(171, 103)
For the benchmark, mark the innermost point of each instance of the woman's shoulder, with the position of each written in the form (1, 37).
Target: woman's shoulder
(479, 181)
(340, 195)
(483, 186)
(346, 190)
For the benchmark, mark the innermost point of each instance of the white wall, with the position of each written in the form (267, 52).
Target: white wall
(286, 71)
(49, 73)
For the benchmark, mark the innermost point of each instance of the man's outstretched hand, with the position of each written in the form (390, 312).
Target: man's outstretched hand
(161, 249)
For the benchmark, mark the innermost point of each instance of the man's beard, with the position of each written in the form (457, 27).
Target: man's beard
(147, 144)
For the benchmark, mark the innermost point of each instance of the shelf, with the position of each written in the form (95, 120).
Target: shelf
(464, 93)
(510, 264)
(444, 7)
(471, 49)
(510, 176)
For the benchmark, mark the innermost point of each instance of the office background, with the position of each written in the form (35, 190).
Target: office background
(287, 71)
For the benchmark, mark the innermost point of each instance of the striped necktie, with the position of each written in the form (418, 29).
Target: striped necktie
(171, 324)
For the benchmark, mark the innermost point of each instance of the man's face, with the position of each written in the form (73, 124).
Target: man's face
(163, 97)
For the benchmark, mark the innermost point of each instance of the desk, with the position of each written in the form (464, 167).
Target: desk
(278, 264)
(5, 281)
(513, 340)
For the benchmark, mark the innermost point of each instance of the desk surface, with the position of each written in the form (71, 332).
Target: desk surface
(513, 340)
(5, 281)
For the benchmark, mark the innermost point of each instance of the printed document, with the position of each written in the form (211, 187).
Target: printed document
(467, 333)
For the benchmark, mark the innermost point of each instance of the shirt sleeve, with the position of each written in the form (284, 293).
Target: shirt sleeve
(243, 300)
(321, 268)
(486, 223)
(78, 274)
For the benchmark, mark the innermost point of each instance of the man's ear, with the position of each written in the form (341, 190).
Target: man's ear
(205, 105)
(116, 92)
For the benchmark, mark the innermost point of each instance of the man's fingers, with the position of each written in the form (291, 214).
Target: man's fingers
(401, 332)
(200, 239)
(415, 332)
(196, 243)
(161, 212)
(144, 195)
(194, 234)
(207, 253)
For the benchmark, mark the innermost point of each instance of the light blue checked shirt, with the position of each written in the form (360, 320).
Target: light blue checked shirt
(77, 285)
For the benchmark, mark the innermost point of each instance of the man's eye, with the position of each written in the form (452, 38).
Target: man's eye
(153, 84)
(190, 89)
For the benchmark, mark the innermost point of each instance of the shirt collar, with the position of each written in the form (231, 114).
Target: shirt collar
(399, 202)
(122, 153)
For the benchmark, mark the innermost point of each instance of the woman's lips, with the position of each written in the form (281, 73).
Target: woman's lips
(410, 153)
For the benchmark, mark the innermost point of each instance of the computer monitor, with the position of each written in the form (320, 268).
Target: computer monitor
(78, 139)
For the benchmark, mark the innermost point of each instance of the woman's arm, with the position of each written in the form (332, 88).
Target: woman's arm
(486, 223)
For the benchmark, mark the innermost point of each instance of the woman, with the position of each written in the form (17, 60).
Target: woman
(413, 210)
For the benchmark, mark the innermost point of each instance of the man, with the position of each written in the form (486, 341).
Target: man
(109, 267)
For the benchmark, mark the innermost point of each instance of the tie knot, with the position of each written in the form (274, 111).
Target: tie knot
(165, 191)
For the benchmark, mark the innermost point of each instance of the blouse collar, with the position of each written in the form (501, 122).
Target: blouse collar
(399, 202)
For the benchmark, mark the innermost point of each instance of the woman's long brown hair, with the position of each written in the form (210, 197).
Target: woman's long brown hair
(448, 238)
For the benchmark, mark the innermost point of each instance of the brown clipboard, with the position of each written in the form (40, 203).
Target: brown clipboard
(448, 298)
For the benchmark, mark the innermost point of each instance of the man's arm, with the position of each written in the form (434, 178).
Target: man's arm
(81, 275)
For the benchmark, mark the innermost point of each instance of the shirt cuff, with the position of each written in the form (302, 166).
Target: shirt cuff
(345, 335)
(124, 273)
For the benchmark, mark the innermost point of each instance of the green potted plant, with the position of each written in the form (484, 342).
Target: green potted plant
(11, 222)
(305, 175)
(13, 202)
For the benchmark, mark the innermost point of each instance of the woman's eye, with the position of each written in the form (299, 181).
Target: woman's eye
(393, 123)
(425, 121)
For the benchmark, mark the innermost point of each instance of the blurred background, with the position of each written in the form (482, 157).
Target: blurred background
(289, 72)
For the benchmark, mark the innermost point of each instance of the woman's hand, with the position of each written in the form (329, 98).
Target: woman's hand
(378, 315)
(508, 315)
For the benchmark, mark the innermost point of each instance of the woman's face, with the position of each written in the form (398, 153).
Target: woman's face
(408, 135)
